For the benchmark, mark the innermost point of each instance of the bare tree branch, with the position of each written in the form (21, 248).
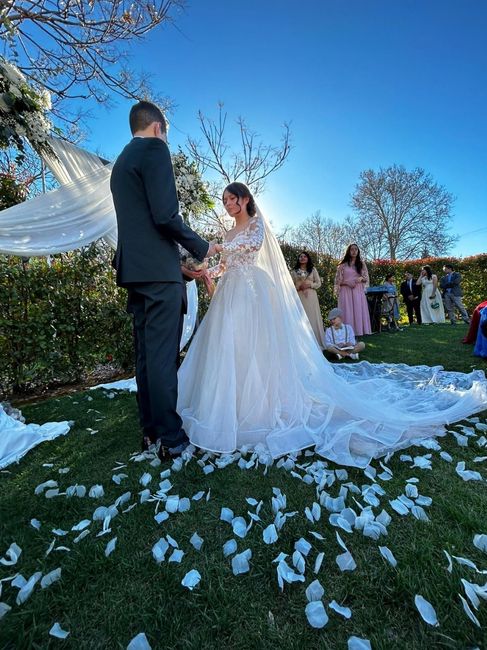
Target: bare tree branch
(399, 214)
(75, 49)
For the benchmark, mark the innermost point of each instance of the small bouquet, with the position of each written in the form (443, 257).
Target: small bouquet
(302, 274)
(434, 304)
(189, 263)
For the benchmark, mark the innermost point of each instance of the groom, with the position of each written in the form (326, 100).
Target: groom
(148, 266)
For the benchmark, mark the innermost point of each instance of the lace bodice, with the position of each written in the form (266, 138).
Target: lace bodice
(241, 251)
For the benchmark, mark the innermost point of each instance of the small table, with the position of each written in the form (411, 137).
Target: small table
(374, 301)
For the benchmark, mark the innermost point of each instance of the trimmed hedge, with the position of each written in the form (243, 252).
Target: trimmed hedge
(60, 320)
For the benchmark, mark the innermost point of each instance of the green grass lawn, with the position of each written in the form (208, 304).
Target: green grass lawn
(105, 601)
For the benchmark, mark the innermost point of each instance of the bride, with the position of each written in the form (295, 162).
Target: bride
(254, 374)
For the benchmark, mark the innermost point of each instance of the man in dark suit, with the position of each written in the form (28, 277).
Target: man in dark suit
(452, 294)
(411, 294)
(148, 266)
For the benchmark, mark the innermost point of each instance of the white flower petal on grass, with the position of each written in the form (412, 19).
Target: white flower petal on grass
(229, 547)
(139, 642)
(426, 610)
(42, 486)
(117, 478)
(269, 534)
(480, 542)
(356, 643)
(239, 526)
(450, 563)
(144, 495)
(469, 612)
(346, 612)
(240, 562)
(466, 474)
(13, 553)
(35, 523)
(191, 579)
(466, 562)
(299, 562)
(58, 632)
(59, 532)
(184, 504)
(100, 513)
(318, 562)
(176, 555)
(198, 496)
(316, 535)
(423, 501)
(303, 546)
(84, 523)
(19, 581)
(172, 503)
(286, 574)
(171, 541)
(314, 591)
(49, 578)
(316, 614)
(81, 536)
(62, 548)
(4, 608)
(399, 507)
(161, 516)
(145, 479)
(226, 515)
(96, 491)
(388, 555)
(196, 541)
(208, 469)
(419, 513)
(346, 562)
(470, 591)
(110, 547)
(28, 588)
(76, 491)
(462, 441)
(446, 456)
(251, 501)
(159, 550)
(50, 494)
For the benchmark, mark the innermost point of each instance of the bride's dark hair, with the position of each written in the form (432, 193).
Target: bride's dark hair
(241, 191)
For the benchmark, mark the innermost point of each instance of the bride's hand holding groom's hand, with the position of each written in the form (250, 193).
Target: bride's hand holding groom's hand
(214, 249)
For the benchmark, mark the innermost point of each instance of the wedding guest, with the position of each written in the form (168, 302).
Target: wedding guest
(351, 282)
(432, 310)
(391, 306)
(452, 294)
(307, 281)
(340, 337)
(411, 293)
(480, 349)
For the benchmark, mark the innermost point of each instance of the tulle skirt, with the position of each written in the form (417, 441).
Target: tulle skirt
(251, 378)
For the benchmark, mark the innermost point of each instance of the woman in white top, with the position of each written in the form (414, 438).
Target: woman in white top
(432, 310)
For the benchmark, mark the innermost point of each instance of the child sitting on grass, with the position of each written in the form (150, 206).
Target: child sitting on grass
(340, 338)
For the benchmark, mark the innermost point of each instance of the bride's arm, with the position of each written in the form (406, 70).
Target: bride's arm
(217, 270)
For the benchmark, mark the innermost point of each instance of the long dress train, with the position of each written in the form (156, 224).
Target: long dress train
(254, 374)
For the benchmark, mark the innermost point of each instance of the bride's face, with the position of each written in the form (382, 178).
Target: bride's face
(234, 205)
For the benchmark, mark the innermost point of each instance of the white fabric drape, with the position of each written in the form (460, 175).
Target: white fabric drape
(16, 438)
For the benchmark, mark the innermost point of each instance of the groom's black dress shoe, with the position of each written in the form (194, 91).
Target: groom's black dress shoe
(172, 452)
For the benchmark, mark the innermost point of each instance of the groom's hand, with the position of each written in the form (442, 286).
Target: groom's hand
(192, 275)
(214, 249)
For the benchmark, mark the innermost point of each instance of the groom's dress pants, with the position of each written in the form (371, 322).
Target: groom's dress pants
(157, 310)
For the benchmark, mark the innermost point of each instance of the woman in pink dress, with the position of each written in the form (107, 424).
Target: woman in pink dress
(351, 281)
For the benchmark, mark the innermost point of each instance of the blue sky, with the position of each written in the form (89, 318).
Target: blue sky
(363, 84)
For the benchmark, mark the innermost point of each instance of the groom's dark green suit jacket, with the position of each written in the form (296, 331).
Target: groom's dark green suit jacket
(149, 224)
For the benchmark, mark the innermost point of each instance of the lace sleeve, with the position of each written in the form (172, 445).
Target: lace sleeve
(217, 270)
(249, 240)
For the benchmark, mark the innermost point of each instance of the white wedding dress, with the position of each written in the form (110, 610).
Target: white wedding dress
(254, 374)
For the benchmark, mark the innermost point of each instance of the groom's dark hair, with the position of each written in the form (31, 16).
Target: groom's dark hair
(143, 115)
